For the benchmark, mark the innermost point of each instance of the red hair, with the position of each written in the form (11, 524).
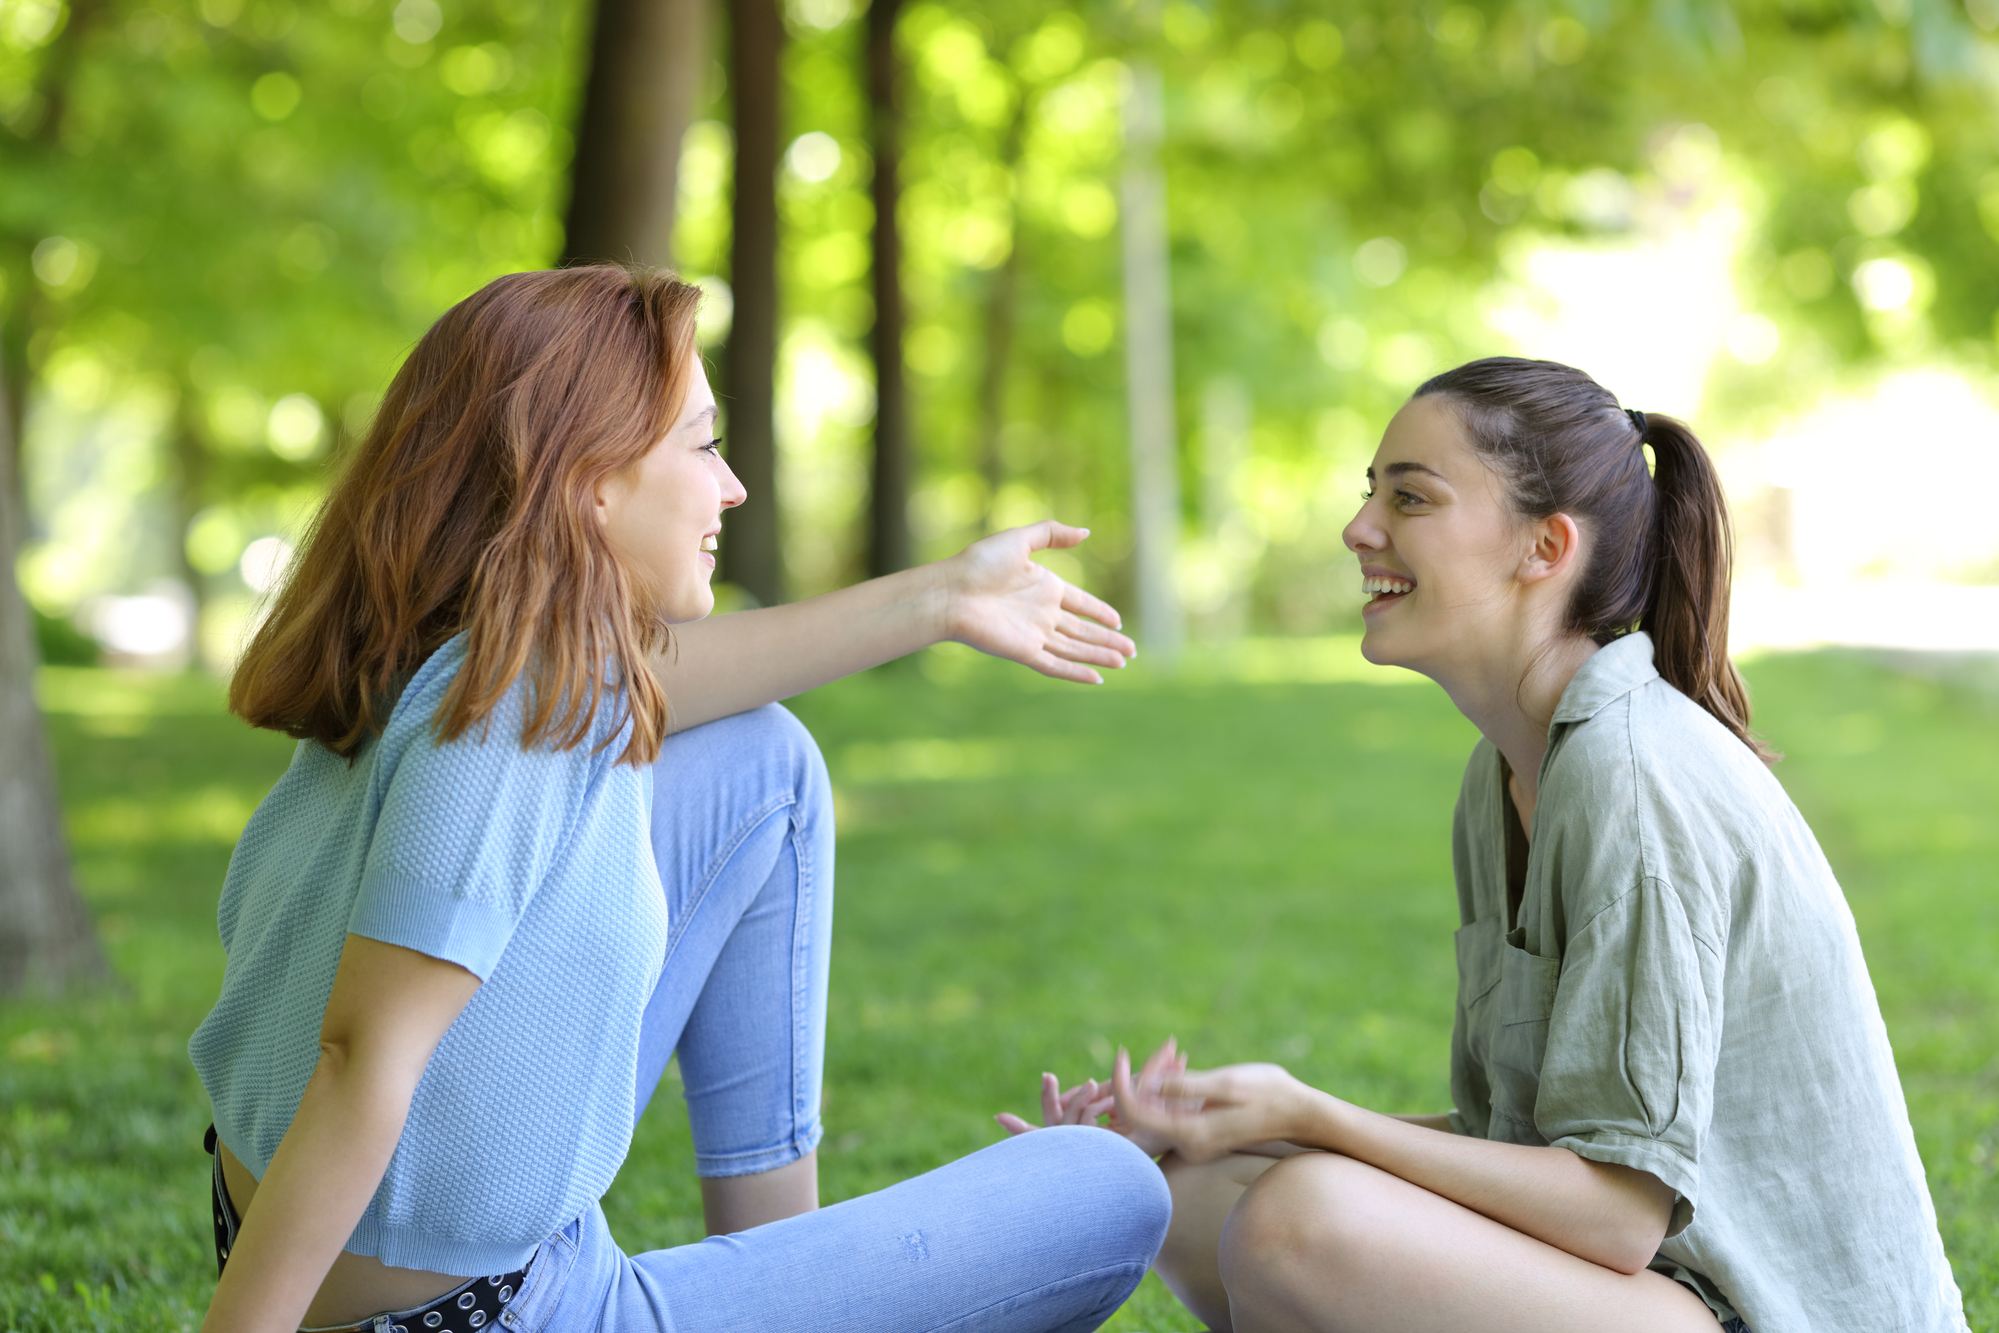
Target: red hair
(470, 508)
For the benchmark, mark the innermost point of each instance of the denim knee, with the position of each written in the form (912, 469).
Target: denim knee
(1095, 1164)
(774, 737)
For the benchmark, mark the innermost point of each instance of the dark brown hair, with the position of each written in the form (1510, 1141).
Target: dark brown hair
(1660, 546)
(469, 507)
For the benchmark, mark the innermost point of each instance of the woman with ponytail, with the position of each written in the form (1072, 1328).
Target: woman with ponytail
(1675, 1104)
(545, 828)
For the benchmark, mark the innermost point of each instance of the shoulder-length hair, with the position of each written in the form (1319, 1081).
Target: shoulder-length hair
(470, 508)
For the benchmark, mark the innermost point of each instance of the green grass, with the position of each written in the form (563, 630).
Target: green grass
(1253, 856)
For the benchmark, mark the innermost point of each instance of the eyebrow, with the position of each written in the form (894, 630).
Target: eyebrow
(1402, 469)
(711, 413)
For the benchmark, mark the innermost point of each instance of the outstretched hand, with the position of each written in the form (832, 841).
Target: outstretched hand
(1005, 604)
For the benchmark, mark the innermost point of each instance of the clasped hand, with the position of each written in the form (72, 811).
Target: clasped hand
(1199, 1114)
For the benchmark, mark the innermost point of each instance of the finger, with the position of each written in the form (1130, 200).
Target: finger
(1051, 535)
(1196, 1087)
(1051, 1100)
(1070, 650)
(1050, 665)
(1160, 1063)
(1013, 1124)
(1077, 602)
(1133, 1112)
(1089, 631)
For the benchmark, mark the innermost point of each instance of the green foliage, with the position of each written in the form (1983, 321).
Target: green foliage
(1030, 874)
(230, 220)
(224, 221)
(61, 643)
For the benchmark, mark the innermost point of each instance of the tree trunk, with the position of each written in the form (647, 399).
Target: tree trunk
(1148, 348)
(752, 555)
(47, 942)
(647, 61)
(1002, 305)
(888, 513)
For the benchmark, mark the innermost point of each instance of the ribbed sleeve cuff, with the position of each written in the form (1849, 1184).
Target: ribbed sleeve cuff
(401, 909)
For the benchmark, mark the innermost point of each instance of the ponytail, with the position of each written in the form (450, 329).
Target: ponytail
(1661, 548)
(1686, 606)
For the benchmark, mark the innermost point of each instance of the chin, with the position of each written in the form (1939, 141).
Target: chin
(1378, 647)
(693, 606)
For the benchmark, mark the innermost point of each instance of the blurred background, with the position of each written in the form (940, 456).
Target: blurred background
(1160, 269)
(1163, 269)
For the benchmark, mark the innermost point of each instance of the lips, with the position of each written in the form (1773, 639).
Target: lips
(1382, 589)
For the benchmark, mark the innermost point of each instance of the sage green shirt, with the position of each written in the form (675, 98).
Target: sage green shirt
(1668, 977)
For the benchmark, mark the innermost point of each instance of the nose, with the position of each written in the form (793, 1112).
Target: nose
(733, 492)
(1364, 533)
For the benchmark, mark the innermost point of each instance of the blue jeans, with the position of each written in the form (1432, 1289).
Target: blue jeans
(1045, 1232)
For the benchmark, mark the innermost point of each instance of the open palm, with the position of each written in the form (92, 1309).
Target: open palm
(1005, 604)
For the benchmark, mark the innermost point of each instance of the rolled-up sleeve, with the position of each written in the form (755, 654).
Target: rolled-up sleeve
(1633, 1036)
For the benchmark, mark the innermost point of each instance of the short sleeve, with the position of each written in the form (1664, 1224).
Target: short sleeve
(1633, 1037)
(466, 833)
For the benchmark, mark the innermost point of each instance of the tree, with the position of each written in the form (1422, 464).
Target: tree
(648, 59)
(888, 509)
(47, 942)
(754, 557)
(1148, 344)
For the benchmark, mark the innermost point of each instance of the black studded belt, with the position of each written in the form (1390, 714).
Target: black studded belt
(471, 1306)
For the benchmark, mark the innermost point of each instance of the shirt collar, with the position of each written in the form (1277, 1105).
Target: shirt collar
(1608, 674)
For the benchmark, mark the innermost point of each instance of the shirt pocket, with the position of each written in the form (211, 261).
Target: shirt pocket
(1522, 1002)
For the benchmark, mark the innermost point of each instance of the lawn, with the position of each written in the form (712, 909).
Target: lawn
(1253, 855)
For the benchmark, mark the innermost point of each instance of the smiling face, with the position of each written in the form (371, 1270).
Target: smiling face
(663, 515)
(1447, 565)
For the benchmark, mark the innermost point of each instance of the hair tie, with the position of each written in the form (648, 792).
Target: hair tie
(1638, 420)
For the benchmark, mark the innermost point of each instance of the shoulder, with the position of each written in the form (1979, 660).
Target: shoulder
(496, 739)
(1654, 772)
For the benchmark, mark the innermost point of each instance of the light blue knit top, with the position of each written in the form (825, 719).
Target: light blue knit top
(531, 868)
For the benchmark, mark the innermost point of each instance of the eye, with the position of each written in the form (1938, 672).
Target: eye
(1406, 499)
(1367, 494)
(713, 446)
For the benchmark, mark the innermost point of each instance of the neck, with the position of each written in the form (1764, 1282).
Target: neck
(1510, 693)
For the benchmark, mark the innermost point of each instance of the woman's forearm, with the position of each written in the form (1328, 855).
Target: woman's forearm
(319, 1183)
(728, 664)
(1611, 1215)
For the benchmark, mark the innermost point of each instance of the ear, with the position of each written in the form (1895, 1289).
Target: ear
(608, 490)
(1557, 543)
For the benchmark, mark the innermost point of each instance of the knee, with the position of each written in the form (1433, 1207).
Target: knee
(769, 745)
(1105, 1176)
(1307, 1214)
(781, 734)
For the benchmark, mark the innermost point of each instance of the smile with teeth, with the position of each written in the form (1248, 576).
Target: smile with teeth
(711, 543)
(1376, 585)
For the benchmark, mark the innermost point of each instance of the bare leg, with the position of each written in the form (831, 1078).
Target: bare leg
(737, 1203)
(1202, 1199)
(1320, 1243)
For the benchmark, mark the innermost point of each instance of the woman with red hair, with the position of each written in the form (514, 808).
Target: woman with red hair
(547, 827)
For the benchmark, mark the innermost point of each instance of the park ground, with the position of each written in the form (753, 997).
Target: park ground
(1251, 854)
